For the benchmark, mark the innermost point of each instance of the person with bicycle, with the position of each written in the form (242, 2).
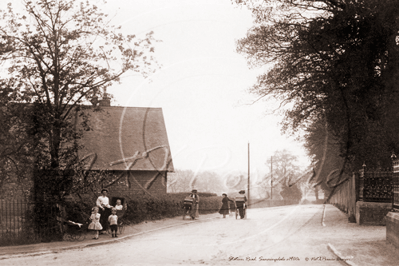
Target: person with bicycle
(194, 209)
(240, 202)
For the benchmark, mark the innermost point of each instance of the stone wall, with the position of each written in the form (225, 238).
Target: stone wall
(139, 182)
(372, 213)
(392, 223)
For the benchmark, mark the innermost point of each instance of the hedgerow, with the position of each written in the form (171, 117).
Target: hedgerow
(143, 207)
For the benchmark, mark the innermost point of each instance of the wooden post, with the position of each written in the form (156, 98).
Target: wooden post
(249, 171)
(271, 178)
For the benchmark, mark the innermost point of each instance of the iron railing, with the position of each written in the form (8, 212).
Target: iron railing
(20, 222)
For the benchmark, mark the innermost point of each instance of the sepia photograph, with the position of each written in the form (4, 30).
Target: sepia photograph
(199, 132)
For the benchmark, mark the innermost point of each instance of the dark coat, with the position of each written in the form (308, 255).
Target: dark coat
(225, 206)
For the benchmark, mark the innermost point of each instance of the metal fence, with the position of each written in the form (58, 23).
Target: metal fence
(375, 186)
(19, 226)
(12, 219)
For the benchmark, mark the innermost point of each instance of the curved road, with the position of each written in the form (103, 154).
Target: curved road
(272, 236)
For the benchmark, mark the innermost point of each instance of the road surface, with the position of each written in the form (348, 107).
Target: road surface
(290, 235)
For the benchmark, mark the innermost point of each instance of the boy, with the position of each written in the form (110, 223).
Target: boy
(113, 221)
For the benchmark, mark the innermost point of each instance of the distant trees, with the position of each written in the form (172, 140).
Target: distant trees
(337, 64)
(285, 173)
(291, 192)
(180, 180)
(186, 180)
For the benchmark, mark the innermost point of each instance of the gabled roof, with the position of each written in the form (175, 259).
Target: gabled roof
(126, 138)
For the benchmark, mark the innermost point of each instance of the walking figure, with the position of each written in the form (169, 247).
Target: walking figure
(194, 209)
(225, 205)
(241, 200)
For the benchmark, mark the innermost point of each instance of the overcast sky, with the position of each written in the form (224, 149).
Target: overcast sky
(202, 84)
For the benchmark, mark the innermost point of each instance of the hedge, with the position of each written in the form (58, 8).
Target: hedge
(143, 207)
(200, 194)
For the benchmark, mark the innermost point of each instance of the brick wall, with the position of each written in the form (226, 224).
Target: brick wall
(137, 182)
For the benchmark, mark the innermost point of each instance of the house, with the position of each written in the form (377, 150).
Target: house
(130, 144)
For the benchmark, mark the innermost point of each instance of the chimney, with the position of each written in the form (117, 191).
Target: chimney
(105, 101)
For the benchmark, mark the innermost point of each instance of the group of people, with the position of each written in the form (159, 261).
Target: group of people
(104, 215)
(239, 201)
(191, 204)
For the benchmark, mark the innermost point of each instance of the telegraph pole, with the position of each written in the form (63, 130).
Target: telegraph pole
(248, 175)
(271, 177)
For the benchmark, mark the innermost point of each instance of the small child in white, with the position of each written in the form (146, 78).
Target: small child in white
(95, 222)
(113, 221)
(118, 205)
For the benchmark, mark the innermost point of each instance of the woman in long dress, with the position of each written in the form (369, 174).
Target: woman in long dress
(225, 205)
(104, 209)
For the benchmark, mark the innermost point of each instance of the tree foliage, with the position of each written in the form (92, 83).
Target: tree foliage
(284, 172)
(16, 148)
(186, 180)
(335, 62)
(291, 193)
(58, 55)
(61, 53)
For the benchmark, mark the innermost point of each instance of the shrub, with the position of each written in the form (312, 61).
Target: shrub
(143, 207)
(291, 193)
(210, 204)
(200, 194)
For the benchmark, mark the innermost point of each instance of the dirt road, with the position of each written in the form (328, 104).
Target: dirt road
(291, 235)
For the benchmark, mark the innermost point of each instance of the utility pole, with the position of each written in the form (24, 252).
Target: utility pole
(271, 177)
(248, 176)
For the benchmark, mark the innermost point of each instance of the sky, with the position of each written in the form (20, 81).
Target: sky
(202, 85)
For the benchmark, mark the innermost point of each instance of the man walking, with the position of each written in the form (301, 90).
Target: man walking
(241, 201)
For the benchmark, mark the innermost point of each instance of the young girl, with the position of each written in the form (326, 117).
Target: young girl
(95, 222)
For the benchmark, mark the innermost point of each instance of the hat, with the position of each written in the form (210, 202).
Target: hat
(194, 190)
(242, 192)
(104, 189)
(224, 194)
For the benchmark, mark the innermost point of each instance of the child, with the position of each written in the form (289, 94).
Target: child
(113, 221)
(118, 205)
(95, 222)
